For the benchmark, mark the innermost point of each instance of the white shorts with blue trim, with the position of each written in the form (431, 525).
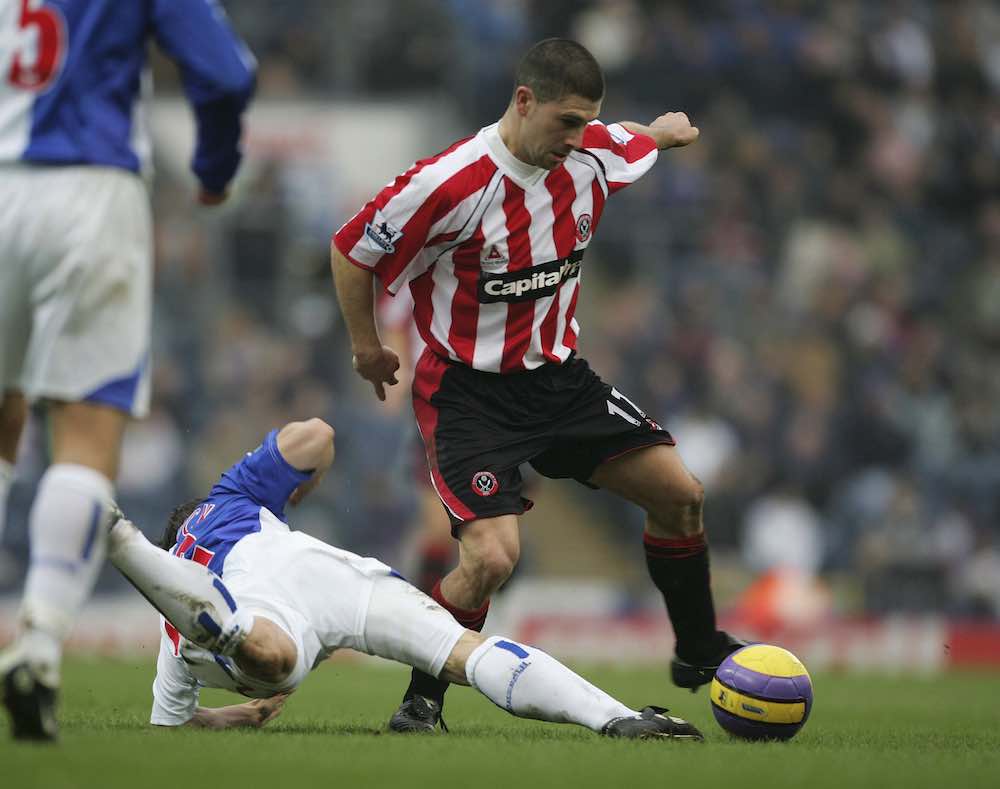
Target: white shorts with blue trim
(75, 285)
(325, 599)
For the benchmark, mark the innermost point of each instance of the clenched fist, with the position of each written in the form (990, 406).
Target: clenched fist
(673, 130)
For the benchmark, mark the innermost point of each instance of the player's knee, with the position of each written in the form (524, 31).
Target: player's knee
(679, 502)
(493, 563)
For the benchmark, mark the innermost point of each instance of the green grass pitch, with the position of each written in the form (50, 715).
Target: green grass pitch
(865, 731)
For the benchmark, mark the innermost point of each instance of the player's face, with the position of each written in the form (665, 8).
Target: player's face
(551, 130)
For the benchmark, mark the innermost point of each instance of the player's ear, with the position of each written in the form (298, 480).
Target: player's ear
(524, 99)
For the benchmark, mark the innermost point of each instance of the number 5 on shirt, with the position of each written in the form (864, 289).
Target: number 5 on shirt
(40, 46)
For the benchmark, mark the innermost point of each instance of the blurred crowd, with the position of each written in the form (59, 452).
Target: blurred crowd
(808, 298)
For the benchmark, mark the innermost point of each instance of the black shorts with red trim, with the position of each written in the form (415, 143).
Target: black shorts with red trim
(478, 428)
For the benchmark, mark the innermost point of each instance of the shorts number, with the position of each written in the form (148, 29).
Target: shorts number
(616, 410)
(49, 30)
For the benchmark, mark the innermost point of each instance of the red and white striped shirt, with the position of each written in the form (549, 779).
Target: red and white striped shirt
(491, 246)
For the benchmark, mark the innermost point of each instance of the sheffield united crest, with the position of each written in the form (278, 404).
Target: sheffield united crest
(484, 483)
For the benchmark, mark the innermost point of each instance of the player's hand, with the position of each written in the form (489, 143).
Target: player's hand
(266, 710)
(206, 197)
(674, 130)
(378, 366)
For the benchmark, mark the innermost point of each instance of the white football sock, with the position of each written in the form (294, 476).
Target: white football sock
(6, 480)
(530, 683)
(67, 533)
(191, 597)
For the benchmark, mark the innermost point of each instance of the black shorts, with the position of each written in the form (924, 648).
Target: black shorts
(478, 428)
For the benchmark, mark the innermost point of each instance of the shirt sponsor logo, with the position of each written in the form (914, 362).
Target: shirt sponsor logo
(381, 235)
(530, 283)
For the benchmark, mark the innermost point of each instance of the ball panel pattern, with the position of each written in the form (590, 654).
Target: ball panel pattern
(762, 692)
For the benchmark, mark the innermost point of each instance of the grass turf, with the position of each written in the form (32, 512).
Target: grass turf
(864, 731)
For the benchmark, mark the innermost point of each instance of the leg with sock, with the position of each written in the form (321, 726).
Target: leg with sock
(424, 698)
(679, 568)
(191, 597)
(656, 479)
(489, 550)
(530, 683)
(67, 551)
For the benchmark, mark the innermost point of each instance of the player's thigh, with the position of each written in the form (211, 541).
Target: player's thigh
(88, 434)
(404, 624)
(13, 415)
(654, 477)
(90, 289)
(19, 237)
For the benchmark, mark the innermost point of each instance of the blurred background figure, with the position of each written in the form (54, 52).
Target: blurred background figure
(76, 303)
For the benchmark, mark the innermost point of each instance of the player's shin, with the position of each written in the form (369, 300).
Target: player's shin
(530, 683)
(191, 597)
(67, 552)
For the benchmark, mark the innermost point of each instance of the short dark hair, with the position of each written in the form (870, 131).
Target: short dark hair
(180, 514)
(558, 67)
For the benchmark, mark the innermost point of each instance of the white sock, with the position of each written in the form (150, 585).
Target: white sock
(67, 530)
(6, 480)
(191, 597)
(530, 683)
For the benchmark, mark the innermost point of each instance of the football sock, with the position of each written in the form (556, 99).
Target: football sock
(190, 596)
(530, 683)
(679, 567)
(66, 527)
(422, 684)
(436, 559)
(6, 480)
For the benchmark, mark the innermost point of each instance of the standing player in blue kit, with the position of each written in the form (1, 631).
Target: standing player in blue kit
(76, 273)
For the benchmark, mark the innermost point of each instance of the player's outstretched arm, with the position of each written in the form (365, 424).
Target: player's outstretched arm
(373, 361)
(670, 130)
(253, 714)
(308, 446)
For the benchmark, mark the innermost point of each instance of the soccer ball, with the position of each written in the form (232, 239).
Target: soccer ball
(762, 692)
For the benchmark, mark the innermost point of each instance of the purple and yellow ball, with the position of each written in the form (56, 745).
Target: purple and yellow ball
(762, 692)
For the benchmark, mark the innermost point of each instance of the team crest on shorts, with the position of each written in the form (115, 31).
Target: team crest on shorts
(484, 483)
(584, 225)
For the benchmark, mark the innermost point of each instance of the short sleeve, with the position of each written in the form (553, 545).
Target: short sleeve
(391, 234)
(624, 157)
(175, 691)
(263, 476)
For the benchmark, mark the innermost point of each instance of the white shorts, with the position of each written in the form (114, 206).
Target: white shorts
(75, 285)
(326, 598)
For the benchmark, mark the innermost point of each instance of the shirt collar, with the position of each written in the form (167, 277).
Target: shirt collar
(523, 174)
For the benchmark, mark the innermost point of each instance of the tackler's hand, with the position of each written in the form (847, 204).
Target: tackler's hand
(378, 366)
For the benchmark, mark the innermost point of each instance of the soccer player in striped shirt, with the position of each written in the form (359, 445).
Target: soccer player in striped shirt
(490, 237)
